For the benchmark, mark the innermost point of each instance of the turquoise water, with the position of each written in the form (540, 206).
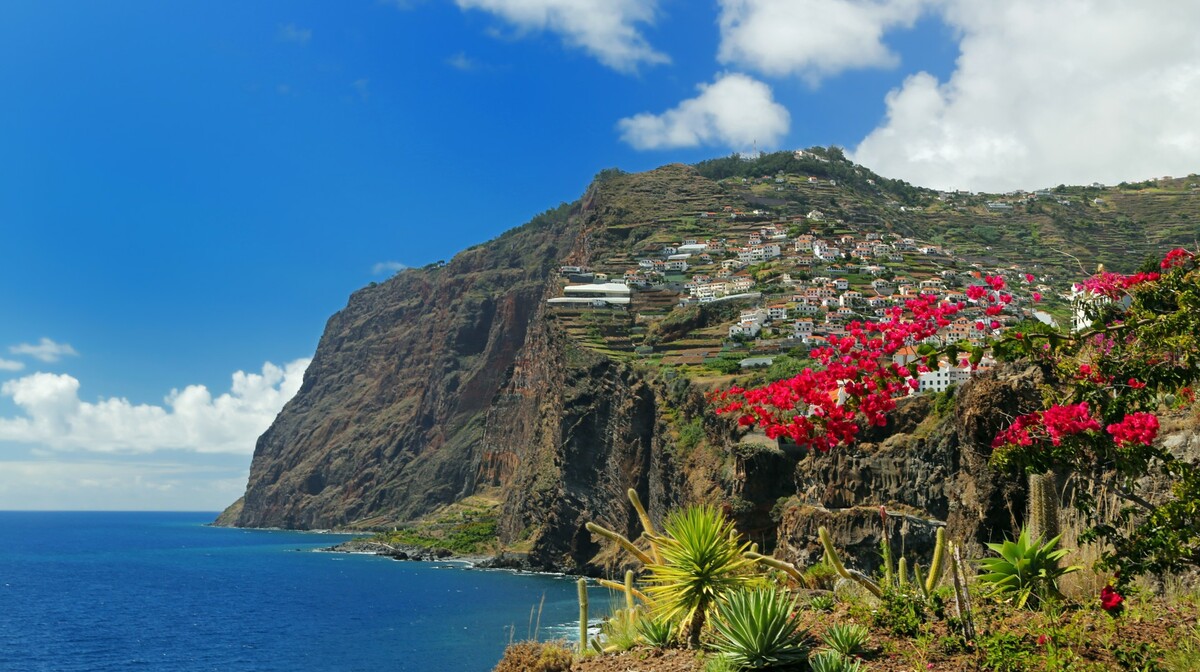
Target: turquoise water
(161, 591)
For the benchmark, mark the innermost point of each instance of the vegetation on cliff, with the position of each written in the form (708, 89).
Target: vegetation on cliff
(1094, 426)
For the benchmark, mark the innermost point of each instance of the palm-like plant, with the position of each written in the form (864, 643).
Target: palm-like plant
(758, 629)
(701, 560)
(1027, 569)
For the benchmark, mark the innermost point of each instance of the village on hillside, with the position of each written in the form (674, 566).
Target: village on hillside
(789, 285)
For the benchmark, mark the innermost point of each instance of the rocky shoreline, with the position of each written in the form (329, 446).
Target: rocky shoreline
(406, 552)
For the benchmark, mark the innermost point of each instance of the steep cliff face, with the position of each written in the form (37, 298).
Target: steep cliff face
(389, 420)
(445, 380)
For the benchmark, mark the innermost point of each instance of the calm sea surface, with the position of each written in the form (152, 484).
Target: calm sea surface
(160, 591)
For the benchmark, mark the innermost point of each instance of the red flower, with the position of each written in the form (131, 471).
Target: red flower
(1042, 639)
(1176, 257)
(1110, 600)
(1028, 277)
(1037, 296)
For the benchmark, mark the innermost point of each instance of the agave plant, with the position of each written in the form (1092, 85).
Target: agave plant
(655, 631)
(821, 603)
(846, 639)
(1026, 570)
(759, 629)
(832, 661)
(701, 561)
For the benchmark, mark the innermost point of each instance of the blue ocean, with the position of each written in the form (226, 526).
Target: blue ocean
(162, 591)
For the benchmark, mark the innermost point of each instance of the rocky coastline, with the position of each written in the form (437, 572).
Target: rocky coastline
(413, 553)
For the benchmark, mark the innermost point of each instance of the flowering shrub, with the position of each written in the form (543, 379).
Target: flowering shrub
(1104, 388)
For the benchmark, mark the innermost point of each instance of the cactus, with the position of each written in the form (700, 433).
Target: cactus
(962, 597)
(1043, 506)
(775, 563)
(836, 562)
(920, 580)
(939, 563)
(629, 591)
(647, 524)
(583, 616)
(902, 573)
(613, 585)
(620, 539)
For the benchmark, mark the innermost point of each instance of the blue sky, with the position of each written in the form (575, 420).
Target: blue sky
(189, 189)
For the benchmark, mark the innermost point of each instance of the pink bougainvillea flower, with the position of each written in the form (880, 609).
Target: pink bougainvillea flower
(1037, 296)
(1176, 257)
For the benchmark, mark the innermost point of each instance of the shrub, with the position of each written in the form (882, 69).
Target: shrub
(758, 629)
(619, 631)
(535, 657)
(901, 612)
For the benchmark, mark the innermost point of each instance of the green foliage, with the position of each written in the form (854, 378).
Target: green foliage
(846, 639)
(821, 603)
(655, 632)
(759, 629)
(785, 367)
(691, 434)
(701, 560)
(621, 630)
(832, 661)
(720, 663)
(1005, 652)
(1026, 570)
(1140, 657)
(724, 366)
(901, 612)
(473, 533)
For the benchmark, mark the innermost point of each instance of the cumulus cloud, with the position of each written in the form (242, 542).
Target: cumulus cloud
(735, 111)
(811, 38)
(606, 29)
(53, 416)
(1049, 93)
(45, 350)
(387, 268)
(10, 365)
(292, 33)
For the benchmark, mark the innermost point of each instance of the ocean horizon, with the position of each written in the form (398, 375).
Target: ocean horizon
(119, 590)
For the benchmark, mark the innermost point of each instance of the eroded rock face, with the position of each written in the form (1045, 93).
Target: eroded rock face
(452, 378)
(926, 471)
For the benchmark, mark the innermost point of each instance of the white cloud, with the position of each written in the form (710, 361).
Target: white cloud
(606, 29)
(811, 38)
(1049, 92)
(387, 268)
(10, 365)
(46, 350)
(735, 111)
(293, 33)
(89, 484)
(53, 416)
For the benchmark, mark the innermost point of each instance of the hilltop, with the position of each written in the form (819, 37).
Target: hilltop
(476, 376)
